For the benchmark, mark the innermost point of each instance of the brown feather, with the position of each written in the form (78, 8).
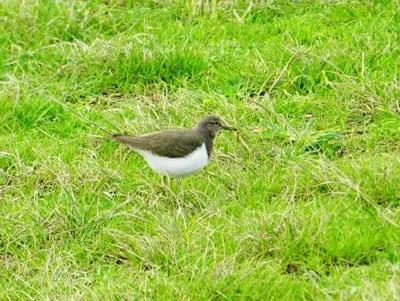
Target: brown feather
(170, 143)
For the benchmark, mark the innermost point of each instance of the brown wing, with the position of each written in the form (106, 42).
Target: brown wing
(172, 144)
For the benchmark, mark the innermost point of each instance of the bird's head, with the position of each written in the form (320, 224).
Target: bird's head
(212, 125)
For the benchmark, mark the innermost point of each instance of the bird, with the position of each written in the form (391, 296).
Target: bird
(177, 152)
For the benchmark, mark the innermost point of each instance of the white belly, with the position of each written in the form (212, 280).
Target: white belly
(177, 166)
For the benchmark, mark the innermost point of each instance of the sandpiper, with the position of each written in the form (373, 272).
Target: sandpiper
(178, 152)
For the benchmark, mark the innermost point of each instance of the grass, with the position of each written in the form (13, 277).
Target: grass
(305, 206)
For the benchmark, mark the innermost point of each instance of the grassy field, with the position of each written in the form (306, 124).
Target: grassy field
(304, 206)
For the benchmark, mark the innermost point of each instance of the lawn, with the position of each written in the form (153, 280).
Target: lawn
(304, 204)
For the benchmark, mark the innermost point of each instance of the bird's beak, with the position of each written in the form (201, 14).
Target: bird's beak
(228, 128)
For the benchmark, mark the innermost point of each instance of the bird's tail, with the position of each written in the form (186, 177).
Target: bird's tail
(124, 139)
(119, 137)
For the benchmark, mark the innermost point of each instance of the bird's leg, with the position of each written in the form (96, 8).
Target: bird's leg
(181, 191)
(166, 185)
(179, 197)
(163, 184)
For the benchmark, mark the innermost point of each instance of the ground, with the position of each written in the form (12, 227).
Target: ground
(302, 205)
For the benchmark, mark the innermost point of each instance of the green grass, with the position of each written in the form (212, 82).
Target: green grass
(305, 206)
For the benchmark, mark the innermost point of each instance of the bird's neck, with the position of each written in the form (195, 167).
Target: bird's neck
(209, 145)
(208, 139)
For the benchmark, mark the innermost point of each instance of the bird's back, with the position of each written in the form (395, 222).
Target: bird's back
(169, 143)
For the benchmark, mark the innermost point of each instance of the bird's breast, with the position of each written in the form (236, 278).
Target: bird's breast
(182, 166)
